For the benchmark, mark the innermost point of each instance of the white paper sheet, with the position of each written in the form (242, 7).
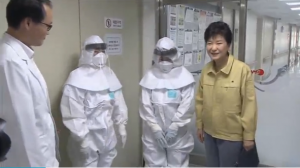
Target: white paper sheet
(196, 15)
(173, 21)
(202, 21)
(180, 38)
(195, 40)
(173, 34)
(188, 59)
(188, 37)
(181, 10)
(189, 15)
(209, 18)
(173, 10)
(217, 17)
(181, 54)
(199, 56)
(201, 44)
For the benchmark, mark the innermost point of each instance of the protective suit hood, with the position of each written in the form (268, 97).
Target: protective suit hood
(169, 74)
(91, 76)
(177, 78)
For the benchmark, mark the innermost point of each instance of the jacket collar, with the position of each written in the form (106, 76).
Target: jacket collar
(226, 70)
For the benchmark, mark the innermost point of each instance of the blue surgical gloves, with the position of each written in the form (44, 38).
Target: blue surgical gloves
(163, 138)
(170, 135)
(160, 137)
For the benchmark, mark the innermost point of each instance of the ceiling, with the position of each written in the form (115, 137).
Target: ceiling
(274, 8)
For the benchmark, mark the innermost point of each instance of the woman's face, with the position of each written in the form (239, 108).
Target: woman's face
(217, 47)
(165, 58)
(97, 51)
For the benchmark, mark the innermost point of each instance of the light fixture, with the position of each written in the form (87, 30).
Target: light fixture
(298, 8)
(288, 0)
(293, 3)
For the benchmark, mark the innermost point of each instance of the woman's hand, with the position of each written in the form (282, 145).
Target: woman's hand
(248, 145)
(200, 133)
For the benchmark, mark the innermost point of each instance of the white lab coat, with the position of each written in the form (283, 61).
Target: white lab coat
(25, 105)
(165, 103)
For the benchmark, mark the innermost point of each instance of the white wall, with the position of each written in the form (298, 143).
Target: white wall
(60, 53)
(150, 32)
(267, 38)
(236, 34)
(281, 38)
(251, 37)
(228, 18)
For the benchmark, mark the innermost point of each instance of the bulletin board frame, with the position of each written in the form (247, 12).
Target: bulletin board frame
(183, 24)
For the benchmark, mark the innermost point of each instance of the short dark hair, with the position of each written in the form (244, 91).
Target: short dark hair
(218, 28)
(18, 10)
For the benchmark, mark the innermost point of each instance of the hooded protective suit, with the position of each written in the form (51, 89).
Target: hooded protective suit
(92, 103)
(167, 94)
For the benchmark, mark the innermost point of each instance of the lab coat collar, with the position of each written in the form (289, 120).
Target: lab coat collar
(225, 70)
(18, 46)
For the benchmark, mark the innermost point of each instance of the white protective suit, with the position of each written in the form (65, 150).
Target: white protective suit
(25, 106)
(165, 102)
(92, 103)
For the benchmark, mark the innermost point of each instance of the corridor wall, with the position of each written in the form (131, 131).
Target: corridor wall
(75, 20)
(228, 18)
(267, 38)
(251, 37)
(281, 38)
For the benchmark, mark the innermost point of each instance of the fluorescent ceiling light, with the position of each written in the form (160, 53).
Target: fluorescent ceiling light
(293, 3)
(289, 0)
(298, 8)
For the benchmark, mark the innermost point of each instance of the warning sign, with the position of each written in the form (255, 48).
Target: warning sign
(113, 23)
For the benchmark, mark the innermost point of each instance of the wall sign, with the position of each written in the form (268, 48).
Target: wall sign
(113, 23)
(114, 44)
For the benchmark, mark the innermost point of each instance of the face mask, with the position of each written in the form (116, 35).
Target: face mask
(165, 66)
(100, 59)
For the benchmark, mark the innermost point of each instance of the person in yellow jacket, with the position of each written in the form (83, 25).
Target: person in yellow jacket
(226, 106)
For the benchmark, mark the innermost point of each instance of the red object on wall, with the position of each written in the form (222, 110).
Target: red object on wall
(259, 72)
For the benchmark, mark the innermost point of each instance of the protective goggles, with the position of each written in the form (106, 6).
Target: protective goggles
(162, 53)
(100, 46)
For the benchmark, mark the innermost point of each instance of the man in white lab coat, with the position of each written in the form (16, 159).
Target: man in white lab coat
(91, 105)
(24, 100)
(167, 94)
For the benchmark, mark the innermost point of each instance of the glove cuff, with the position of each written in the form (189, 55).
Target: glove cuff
(122, 129)
(173, 127)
